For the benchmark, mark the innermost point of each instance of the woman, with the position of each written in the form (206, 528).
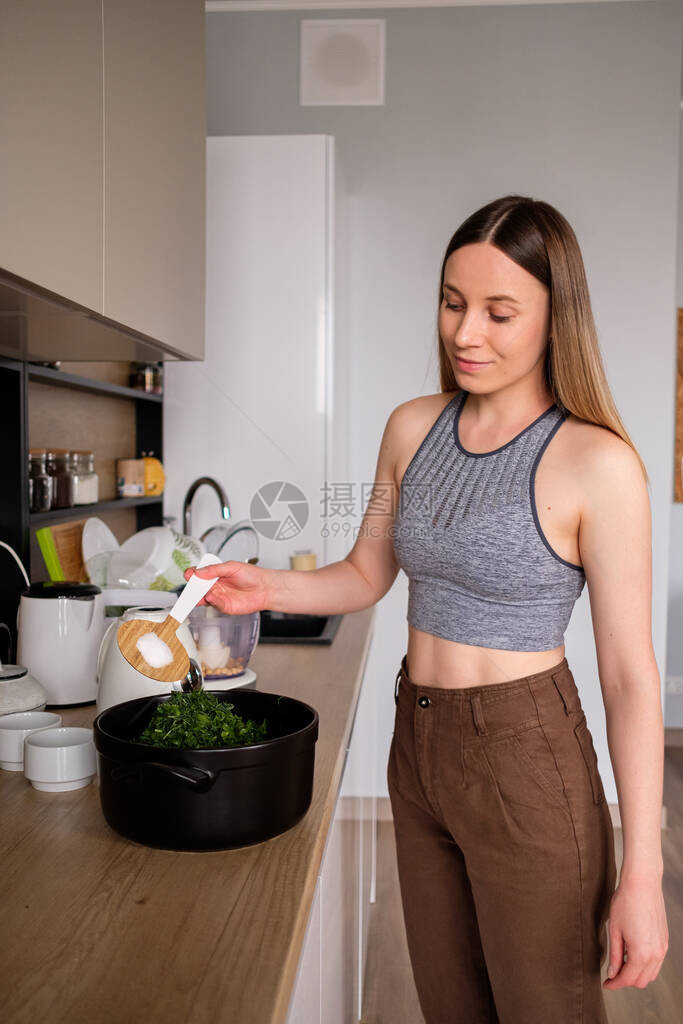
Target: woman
(499, 497)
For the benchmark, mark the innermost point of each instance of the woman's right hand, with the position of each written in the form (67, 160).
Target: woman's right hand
(242, 587)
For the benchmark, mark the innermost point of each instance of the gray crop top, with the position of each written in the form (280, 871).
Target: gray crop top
(467, 535)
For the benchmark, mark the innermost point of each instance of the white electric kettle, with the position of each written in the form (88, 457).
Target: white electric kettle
(60, 626)
(117, 680)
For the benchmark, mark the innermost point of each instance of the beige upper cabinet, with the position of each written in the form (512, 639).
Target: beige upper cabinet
(102, 163)
(154, 169)
(51, 200)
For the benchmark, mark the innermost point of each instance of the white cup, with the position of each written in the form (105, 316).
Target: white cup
(56, 760)
(15, 728)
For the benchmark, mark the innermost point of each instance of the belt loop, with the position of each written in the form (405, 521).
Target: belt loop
(556, 677)
(403, 670)
(530, 688)
(479, 715)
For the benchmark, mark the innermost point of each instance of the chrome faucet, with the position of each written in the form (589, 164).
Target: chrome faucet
(192, 490)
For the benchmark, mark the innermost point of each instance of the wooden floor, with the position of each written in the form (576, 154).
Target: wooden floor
(390, 996)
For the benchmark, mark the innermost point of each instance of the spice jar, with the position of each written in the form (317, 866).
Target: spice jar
(147, 377)
(142, 377)
(58, 465)
(39, 483)
(86, 482)
(158, 379)
(302, 560)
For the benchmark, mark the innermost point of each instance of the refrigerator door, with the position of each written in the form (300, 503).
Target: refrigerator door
(265, 392)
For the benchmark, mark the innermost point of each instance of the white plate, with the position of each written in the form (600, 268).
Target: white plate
(97, 538)
(231, 683)
(233, 542)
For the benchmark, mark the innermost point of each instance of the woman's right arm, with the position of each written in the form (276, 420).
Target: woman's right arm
(356, 582)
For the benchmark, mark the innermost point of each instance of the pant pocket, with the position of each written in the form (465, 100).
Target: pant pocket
(585, 741)
(524, 769)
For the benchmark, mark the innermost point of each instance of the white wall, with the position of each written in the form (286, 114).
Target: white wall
(674, 654)
(576, 104)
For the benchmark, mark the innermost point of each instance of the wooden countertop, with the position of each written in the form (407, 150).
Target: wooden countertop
(96, 928)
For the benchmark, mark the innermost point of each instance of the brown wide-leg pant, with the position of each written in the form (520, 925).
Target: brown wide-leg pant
(505, 850)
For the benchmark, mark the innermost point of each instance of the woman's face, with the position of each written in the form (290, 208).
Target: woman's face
(495, 315)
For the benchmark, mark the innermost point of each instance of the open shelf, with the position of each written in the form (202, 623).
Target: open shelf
(83, 511)
(47, 375)
(17, 524)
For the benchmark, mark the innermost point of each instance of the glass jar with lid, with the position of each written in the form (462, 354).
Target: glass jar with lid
(86, 483)
(59, 467)
(147, 377)
(39, 483)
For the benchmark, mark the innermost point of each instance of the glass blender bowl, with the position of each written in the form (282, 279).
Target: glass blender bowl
(224, 642)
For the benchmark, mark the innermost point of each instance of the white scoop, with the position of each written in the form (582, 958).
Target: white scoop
(153, 648)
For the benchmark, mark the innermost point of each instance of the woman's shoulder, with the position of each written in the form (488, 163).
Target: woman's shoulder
(592, 441)
(598, 454)
(409, 424)
(416, 410)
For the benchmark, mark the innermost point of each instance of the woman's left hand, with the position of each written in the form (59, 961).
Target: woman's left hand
(637, 929)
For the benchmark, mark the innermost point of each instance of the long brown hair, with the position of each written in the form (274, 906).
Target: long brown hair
(538, 238)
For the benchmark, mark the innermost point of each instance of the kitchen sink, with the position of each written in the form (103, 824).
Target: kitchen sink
(294, 628)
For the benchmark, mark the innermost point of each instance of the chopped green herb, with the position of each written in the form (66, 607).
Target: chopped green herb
(199, 721)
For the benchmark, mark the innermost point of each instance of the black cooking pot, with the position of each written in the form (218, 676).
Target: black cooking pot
(207, 799)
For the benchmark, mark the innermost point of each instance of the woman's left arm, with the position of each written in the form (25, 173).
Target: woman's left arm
(615, 542)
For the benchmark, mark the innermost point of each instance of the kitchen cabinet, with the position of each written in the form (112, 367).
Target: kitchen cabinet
(329, 984)
(154, 169)
(102, 218)
(306, 1007)
(51, 121)
(158, 935)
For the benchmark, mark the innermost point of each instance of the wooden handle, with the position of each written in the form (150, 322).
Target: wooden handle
(130, 632)
(167, 630)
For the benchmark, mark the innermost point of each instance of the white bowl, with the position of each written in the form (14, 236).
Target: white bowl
(162, 555)
(119, 570)
(153, 559)
(60, 759)
(19, 691)
(152, 551)
(15, 728)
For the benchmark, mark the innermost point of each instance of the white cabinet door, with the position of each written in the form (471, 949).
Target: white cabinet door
(334, 895)
(340, 919)
(326, 989)
(360, 802)
(304, 1007)
(337, 928)
(154, 176)
(51, 132)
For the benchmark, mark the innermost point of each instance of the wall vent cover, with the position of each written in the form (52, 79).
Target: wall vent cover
(342, 62)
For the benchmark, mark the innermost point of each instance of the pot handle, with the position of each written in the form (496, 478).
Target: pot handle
(196, 778)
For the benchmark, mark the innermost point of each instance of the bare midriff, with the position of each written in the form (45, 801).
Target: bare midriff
(433, 661)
